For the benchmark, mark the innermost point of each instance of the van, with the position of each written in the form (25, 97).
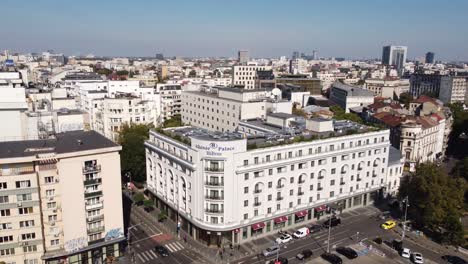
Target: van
(301, 232)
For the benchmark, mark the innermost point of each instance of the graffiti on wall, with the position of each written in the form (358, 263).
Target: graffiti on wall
(114, 233)
(75, 244)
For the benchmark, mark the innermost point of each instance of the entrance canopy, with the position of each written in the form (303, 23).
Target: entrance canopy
(258, 226)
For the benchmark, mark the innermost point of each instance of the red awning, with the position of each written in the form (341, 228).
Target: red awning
(301, 213)
(321, 208)
(258, 226)
(281, 219)
(237, 230)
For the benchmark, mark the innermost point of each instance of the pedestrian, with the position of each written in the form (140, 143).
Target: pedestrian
(185, 238)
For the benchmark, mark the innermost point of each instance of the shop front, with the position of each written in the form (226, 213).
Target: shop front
(257, 229)
(280, 222)
(320, 211)
(300, 216)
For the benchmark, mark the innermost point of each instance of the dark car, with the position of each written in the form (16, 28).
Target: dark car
(454, 259)
(305, 254)
(347, 252)
(162, 251)
(397, 244)
(334, 221)
(315, 228)
(332, 258)
(280, 259)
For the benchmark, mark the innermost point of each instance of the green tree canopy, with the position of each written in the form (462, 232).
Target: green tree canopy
(132, 156)
(340, 114)
(458, 146)
(435, 199)
(405, 98)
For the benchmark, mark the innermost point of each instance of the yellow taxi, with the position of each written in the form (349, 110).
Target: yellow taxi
(388, 224)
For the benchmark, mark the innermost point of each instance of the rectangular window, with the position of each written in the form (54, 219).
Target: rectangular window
(246, 203)
(3, 185)
(246, 176)
(4, 199)
(28, 223)
(4, 226)
(49, 179)
(28, 236)
(246, 162)
(23, 184)
(246, 189)
(5, 212)
(332, 182)
(25, 210)
(334, 159)
(332, 193)
(270, 172)
(24, 197)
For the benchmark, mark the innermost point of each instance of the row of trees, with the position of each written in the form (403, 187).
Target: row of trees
(436, 201)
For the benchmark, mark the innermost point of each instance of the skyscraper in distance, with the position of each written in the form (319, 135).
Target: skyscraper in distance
(430, 57)
(243, 56)
(295, 55)
(395, 56)
(314, 55)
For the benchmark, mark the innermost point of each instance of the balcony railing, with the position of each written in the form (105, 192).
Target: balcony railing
(213, 183)
(342, 183)
(94, 206)
(258, 191)
(257, 203)
(279, 186)
(16, 171)
(279, 198)
(94, 218)
(301, 181)
(92, 181)
(300, 193)
(92, 194)
(95, 229)
(359, 179)
(214, 197)
(91, 168)
(214, 169)
(319, 188)
(214, 211)
(359, 168)
(320, 177)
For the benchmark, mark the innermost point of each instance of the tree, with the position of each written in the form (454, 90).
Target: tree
(457, 145)
(122, 73)
(192, 74)
(436, 200)
(138, 198)
(405, 98)
(148, 203)
(132, 156)
(175, 121)
(340, 114)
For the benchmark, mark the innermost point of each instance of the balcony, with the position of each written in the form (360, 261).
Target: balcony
(279, 186)
(214, 169)
(359, 179)
(279, 198)
(213, 211)
(319, 188)
(214, 197)
(91, 168)
(17, 171)
(93, 181)
(300, 193)
(92, 194)
(344, 172)
(301, 181)
(94, 206)
(95, 229)
(258, 191)
(94, 218)
(342, 183)
(214, 183)
(359, 168)
(320, 177)
(257, 204)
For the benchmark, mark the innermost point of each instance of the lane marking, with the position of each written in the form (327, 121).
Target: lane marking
(142, 260)
(170, 248)
(148, 256)
(154, 254)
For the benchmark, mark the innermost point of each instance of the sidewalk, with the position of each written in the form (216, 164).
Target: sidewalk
(210, 254)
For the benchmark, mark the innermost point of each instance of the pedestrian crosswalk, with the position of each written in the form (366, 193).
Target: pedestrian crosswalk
(149, 255)
(174, 246)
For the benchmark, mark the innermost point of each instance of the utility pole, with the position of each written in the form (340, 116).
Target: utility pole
(329, 229)
(404, 223)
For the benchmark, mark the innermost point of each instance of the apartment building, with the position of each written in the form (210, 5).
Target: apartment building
(245, 75)
(233, 187)
(170, 100)
(453, 89)
(110, 114)
(220, 109)
(60, 200)
(348, 96)
(387, 88)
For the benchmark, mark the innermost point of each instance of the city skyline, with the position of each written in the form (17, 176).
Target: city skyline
(208, 29)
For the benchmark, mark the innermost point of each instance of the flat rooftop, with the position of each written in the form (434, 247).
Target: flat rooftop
(72, 141)
(352, 90)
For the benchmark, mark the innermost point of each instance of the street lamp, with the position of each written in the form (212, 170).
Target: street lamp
(132, 258)
(404, 223)
(329, 229)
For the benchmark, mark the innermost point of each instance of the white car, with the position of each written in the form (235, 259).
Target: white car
(301, 232)
(406, 253)
(283, 239)
(417, 258)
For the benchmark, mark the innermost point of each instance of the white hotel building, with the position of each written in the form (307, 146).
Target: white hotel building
(245, 75)
(221, 189)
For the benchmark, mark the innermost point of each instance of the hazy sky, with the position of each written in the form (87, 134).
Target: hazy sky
(267, 28)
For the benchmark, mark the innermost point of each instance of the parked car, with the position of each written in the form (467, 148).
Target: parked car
(385, 215)
(283, 239)
(270, 251)
(332, 258)
(305, 254)
(315, 228)
(406, 253)
(388, 225)
(280, 259)
(301, 232)
(334, 221)
(397, 244)
(417, 258)
(454, 259)
(347, 252)
(162, 251)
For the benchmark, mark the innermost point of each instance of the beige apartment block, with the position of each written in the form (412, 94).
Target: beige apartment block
(60, 200)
